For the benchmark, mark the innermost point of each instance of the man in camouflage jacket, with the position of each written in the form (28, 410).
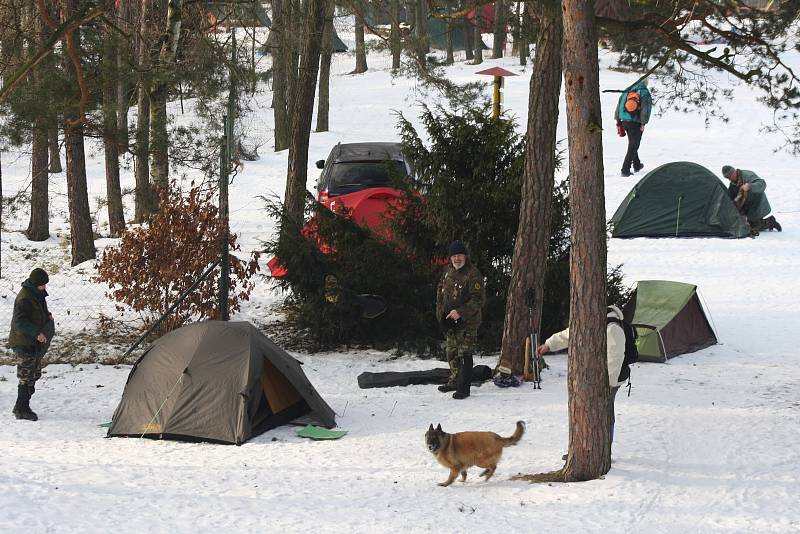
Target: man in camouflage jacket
(459, 299)
(31, 331)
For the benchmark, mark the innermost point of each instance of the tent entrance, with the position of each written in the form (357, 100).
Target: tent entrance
(280, 401)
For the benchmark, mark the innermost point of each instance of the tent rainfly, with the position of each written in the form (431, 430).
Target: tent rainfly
(679, 199)
(216, 381)
(669, 320)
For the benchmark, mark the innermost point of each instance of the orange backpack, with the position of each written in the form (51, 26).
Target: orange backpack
(632, 102)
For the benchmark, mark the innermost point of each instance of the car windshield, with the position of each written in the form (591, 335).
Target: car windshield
(350, 176)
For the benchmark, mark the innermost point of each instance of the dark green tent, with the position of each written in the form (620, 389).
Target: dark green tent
(679, 199)
(437, 33)
(216, 381)
(669, 320)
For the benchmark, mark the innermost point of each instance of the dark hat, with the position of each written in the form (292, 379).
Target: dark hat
(39, 277)
(456, 247)
(727, 171)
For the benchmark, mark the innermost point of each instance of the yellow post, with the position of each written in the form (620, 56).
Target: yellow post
(498, 80)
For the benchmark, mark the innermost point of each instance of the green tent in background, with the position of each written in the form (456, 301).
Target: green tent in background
(679, 199)
(437, 33)
(669, 320)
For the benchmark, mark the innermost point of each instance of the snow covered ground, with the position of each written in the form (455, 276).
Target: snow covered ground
(706, 443)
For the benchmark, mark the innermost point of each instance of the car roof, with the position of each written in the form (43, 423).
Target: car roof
(368, 152)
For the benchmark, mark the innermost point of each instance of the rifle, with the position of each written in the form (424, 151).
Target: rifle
(532, 342)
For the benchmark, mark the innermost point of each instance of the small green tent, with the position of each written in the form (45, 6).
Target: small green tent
(679, 199)
(669, 320)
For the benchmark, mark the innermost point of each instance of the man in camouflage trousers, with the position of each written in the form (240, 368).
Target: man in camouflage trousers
(459, 299)
(31, 331)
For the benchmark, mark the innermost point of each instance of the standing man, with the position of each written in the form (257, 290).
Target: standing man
(615, 357)
(632, 113)
(31, 331)
(746, 190)
(459, 299)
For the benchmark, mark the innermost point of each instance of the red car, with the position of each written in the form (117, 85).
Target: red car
(358, 178)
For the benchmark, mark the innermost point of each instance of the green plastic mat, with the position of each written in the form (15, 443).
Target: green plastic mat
(317, 433)
(105, 425)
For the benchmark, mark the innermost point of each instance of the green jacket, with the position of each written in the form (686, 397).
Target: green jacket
(757, 206)
(461, 290)
(645, 105)
(29, 318)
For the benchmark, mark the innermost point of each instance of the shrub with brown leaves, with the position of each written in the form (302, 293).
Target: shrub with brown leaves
(155, 263)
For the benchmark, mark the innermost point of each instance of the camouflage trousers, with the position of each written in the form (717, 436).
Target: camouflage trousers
(29, 366)
(458, 343)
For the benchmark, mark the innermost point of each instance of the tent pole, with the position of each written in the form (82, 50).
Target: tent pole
(166, 313)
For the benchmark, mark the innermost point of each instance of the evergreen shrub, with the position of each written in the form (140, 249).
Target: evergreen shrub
(465, 185)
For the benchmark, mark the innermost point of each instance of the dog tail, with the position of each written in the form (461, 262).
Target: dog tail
(516, 436)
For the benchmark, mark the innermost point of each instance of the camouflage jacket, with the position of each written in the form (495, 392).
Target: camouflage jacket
(29, 317)
(461, 290)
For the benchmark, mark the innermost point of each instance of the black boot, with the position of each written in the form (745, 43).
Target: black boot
(22, 409)
(464, 378)
(444, 388)
(772, 224)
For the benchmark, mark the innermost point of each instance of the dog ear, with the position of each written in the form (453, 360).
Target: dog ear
(439, 427)
(430, 428)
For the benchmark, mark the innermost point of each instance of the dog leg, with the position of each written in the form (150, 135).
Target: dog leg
(451, 478)
(489, 472)
(464, 475)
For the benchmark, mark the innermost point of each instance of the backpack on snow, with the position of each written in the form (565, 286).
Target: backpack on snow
(631, 351)
(632, 102)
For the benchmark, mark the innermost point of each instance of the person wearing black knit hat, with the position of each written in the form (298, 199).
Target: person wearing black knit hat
(459, 300)
(32, 329)
(746, 189)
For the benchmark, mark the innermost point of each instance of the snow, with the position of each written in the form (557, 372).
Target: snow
(705, 443)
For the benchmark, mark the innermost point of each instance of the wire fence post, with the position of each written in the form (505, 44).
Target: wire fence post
(226, 158)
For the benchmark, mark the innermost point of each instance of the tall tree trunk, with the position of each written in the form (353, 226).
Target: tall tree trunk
(325, 70)
(121, 108)
(54, 150)
(421, 27)
(477, 43)
(39, 225)
(122, 104)
(80, 219)
(143, 196)
(297, 174)
(159, 138)
(529, 263)
(282, 48)
(587, 379)
(469, 47)
(449, 59)
(116, 217)
(523, 49)
(361, 50)
(499, 29)
(394, 37)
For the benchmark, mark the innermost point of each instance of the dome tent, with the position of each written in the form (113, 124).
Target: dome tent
(216, 381)
(668, 319)
(679, 199)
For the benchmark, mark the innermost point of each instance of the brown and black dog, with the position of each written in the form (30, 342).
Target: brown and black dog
(460, 451)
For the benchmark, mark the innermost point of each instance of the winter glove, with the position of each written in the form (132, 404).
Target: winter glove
(450, 324)
(620, 129)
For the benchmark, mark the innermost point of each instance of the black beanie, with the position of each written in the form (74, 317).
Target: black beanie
(456, 247)
(39, 277)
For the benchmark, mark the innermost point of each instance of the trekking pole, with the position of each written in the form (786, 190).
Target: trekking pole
(530, 300)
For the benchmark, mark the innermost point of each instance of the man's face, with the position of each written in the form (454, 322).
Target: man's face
(734, 176)
(458, 260)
